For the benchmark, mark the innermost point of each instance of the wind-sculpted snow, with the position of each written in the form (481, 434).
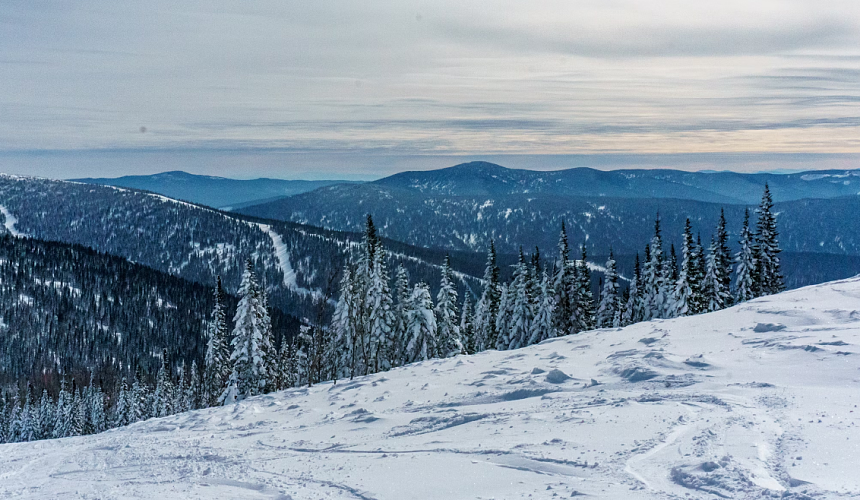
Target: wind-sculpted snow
(734, 409)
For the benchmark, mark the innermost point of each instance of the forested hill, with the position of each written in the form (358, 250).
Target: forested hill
(70, 310)
(300, 265)
(458, 209)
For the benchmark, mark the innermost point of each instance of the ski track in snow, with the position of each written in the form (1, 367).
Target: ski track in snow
(10, 221)
(283, 257)
(759, 400)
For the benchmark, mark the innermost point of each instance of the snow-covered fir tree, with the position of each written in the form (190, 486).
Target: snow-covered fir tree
(467, 328)
(421, 329)
(653, 277)
(381, 321)
(724, 257)
(448, 340)
(217, 357)
(521, 306)
(584, 307)
(768, 273)
(716, 297)
(683, 295)
(543, 324)
(564, 315)
(633, 305)
(487, 309)
(343, 326)
(249, 374)
(402, 293)
(745, 267)
(503, 319)
(163, 397)
(608, 313)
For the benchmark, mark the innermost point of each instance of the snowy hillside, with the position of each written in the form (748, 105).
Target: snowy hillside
(190, 241)
(760, 400)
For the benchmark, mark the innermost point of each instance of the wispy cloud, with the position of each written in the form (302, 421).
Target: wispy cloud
(549, 77)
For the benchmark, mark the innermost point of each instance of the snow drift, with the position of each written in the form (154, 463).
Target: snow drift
(759, 400)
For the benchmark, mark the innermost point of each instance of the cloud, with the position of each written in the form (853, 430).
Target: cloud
(447, 77)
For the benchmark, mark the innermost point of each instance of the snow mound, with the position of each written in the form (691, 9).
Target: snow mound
(732, 404)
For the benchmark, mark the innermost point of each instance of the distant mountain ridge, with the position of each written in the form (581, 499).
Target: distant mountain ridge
(483, 178)
(219, 192)
(464, 207)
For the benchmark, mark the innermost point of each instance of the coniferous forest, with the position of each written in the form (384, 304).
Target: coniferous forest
(185, 346)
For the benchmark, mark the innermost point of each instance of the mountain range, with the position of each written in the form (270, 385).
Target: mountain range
(464, 207)
(213, 191)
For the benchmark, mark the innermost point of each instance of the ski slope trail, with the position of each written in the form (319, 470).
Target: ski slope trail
(757, 401)
(9, 222)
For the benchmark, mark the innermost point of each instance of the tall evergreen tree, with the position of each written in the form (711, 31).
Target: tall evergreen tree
(683, 293)
(217, 359)
(584, 297)
(653, 277)
(503, 319)
(382, 320)
(249, 370)
(724, 257)
(448, 341)
(163, 396)
(467, 328)
(768, 272)
(633, 310)
(520, 299)
(422, 325)
(715, 295)
(562, 285)
(487, 309)
(543, 325)
(343, 325)
(608, 309)
(745, 270)
(403, 294)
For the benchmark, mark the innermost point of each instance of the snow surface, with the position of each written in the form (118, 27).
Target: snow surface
(759, 400)
(10, 221)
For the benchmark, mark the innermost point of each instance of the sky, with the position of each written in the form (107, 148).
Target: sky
(364, 89)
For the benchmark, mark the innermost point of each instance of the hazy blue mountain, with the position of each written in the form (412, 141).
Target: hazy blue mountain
(212, 191)
(299, 264)
(482, 178)
(468, 222)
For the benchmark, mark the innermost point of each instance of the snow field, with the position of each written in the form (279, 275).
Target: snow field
(756, 401)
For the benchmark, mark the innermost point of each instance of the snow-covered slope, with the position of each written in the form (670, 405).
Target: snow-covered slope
(759, 400)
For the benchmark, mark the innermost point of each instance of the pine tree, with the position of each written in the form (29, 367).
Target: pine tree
(467, 329)
(121, 408)
(683, 293)
(715, 295)
(562, 285)
(62, 415)
(343, 326)
(382, 317)
(745, 270)
(163, 397)
(421, 329)
(249, 370)
(46, 416)
(768, 272)
(503, 319)
(542, 326)
(698, 303)
(448, 339)
(193, 393)
(724, 258)
(487, 309)
(402, 293)
(607, 310)
(584, 298)
(520, 298)
(270, 355)
(633, 305)
(653, 277)
(217, 360)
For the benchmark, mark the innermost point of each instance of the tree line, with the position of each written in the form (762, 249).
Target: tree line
(377, 326)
